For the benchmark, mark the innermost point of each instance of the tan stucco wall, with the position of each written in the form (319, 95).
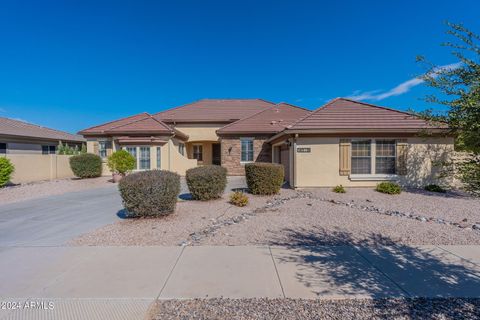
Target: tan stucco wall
(320, 168)
(200, 132)
(32, 167)
(207, 151)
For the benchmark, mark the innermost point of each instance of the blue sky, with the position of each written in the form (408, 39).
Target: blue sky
(73, 64)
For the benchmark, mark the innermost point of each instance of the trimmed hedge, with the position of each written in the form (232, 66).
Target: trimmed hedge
(150, 193)
(121, 162)
(87, 165)
(206, 182)
(264, 178)
(389, 188)
(6, 170)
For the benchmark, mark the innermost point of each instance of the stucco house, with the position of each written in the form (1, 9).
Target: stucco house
(343, 142)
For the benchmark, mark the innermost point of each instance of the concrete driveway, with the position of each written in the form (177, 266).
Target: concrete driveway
(53, 220)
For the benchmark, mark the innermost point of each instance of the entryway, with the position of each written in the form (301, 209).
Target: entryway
(216, 154)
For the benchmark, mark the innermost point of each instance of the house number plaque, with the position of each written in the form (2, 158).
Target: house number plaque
(304, 150)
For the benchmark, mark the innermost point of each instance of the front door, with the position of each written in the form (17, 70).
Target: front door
(216, 154)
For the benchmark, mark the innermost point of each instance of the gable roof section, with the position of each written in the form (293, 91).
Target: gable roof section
(112, 124)
(271, 120)
(352, 116)
(214, 110)
(17, 128)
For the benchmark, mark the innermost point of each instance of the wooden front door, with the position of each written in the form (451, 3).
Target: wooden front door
(216, 154)
(285, 160)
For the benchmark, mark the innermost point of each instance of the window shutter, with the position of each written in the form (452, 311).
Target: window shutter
(95, 148)
(402, 151)
(345, 161)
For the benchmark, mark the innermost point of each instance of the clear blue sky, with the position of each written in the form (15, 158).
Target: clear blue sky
(74, 64)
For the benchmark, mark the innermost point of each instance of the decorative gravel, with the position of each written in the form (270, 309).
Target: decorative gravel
(40, 189)
(243, 309)
(307, 217)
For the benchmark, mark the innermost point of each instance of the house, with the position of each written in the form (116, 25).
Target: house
(343, 142)
(18, 137)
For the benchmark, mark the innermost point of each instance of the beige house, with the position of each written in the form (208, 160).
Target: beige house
(344, 142)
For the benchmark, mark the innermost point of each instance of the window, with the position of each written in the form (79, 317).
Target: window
(159, 157)
(385, 157)
(361, 157)
(144, 158)
(49, 149)
(198, 152)
(3, 148)
(102, 149)
(247, 149)
(132, 151)
(181, 149)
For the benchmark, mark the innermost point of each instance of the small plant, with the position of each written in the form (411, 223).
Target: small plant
(264, 178)
(238, 199)
(339, 189)
(121, 162)
(6, 170)
(150, 193)
(435, 188)
(389, 188)
(86, 165)
(65, 149)
(206, 182)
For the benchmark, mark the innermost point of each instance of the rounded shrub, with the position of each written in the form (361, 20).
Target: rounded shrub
(86, 165)
(121, 162)
(206, 182)
(150, 193)
(389, 188)
(6, 170)
(264, 178)
(238, 199)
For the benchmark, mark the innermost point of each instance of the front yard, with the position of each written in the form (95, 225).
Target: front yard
(306, 217)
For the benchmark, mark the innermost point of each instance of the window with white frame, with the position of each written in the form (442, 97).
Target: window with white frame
(385, 156)
(198, 152)
(144, 158)
(49, 149)
(361, 157)
(102, 149)
(159, 157)
(247, 149)
(181, 149)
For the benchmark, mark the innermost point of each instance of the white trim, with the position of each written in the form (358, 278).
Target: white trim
(252, 139)
(373, 177)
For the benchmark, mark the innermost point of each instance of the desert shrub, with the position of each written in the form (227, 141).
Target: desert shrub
(389, 188)
(238, 199)
(86, 165)
(206, 182)
(435, 188)
(339, 189)
(6, 170)
(121, 162)
(264, 178)
(150, 193)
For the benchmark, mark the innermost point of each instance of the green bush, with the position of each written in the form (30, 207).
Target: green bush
(6, 170)
(435, 188)
(339, 189)
(86, 165)
(389, 188)
(264, 178)
(238, 199)
(150, 193)
(121, 162)
(206, 182)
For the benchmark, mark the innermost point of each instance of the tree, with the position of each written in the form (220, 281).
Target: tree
(459, 88)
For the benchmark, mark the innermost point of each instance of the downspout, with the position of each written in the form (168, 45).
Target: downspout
(295, 161)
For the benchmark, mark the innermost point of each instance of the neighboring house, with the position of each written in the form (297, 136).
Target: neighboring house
(18, 137)
(344, 142)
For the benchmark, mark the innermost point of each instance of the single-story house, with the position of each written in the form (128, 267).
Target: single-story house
(18, 137)
(343, 142)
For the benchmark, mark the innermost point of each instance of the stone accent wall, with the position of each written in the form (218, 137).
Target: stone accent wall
(231, 153)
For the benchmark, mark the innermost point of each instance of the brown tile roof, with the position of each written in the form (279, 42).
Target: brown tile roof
(17, 128)
(136, 140)
(211, 110)
(271, 120)
(348, 115)
(112, 124)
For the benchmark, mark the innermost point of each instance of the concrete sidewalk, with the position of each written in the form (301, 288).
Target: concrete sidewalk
(120, 282)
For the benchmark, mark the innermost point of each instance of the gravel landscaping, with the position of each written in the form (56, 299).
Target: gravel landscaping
(313, 217)
(316, 309)
(40, 189)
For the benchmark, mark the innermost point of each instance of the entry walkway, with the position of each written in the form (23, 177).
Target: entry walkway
(121, 282)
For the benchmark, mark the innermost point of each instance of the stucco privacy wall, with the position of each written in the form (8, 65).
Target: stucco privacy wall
(231, 153)
(320, 167)
(200, 131)
(31, 168)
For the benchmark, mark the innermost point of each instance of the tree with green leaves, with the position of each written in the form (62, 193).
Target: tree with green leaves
(458, 86)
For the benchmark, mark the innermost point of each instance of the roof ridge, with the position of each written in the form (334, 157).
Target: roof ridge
(124, 118)
(162, 123)
(134, 121)
(313, 112)
(292, 105)
(247, 117)
(379, 107)
(41, 127)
